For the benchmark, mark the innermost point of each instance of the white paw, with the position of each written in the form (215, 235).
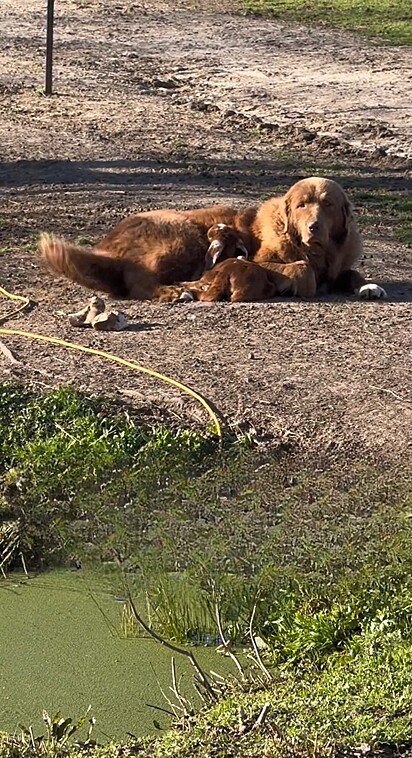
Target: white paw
(372, 292)
(186, 297)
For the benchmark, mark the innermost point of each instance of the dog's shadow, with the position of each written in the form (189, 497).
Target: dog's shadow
(398, 291)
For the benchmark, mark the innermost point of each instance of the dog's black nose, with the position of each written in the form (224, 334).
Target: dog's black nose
(313, 226)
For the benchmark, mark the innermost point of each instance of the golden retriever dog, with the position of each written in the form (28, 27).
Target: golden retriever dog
(304, 240)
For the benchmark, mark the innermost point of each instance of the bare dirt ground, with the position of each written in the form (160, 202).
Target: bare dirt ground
(182, 104)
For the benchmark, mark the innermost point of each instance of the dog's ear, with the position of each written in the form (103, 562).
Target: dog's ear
(213, 254)
(288, 225)
(346, 220)
(286, 214)
(281, 215)
(347, 213)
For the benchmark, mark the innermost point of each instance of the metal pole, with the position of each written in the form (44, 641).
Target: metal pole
(49, 47)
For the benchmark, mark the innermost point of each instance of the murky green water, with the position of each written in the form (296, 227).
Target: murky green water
(62, 648)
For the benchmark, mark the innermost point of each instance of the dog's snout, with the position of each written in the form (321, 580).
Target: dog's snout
(313, 226)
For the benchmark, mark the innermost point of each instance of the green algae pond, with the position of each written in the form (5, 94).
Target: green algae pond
(63, 648)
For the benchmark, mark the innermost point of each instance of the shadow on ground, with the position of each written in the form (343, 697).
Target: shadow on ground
(195, 171)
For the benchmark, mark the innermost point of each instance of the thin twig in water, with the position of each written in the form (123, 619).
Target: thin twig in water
(23, 563)
(185, 705)
(226, 643)
(173, 706)
(159, 708)
(217, 677)
(174, 648)
(259, 661)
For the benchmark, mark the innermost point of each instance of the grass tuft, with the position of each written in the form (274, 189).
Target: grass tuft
(389, 20)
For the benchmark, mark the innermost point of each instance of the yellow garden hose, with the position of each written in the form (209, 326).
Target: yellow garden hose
(107, 356)
(25, 301)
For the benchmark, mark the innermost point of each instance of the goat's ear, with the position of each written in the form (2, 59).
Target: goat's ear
(240, 245)
(213, 254)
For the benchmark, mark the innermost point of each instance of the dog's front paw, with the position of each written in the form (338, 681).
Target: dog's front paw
(186, 297)
(372, 292)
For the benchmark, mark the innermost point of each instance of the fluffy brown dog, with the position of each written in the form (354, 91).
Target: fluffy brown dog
(304, 240)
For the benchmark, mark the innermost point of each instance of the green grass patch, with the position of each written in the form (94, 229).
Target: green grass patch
(320, 557)
(362, 697)
(385, 208)
(390, 20)
(84, 480)
(69, 462)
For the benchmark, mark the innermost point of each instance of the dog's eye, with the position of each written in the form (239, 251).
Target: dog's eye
(301, 204)
(327, 203)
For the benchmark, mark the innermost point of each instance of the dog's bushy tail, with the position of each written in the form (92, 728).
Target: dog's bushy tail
(92, 269)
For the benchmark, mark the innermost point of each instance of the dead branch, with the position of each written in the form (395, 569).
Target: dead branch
(262, 717)
(184, 703)
(174, 648)
(240, 720)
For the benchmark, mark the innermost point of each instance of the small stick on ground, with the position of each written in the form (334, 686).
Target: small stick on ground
(262, 717)
(391, 392)
(241, 726)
